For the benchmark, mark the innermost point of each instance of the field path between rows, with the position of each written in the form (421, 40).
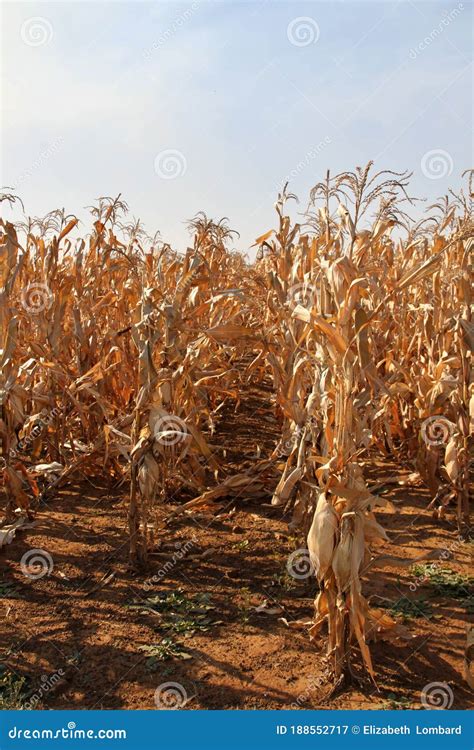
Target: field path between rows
(90, 619)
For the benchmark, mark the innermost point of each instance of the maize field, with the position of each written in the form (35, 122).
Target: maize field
(185, 400)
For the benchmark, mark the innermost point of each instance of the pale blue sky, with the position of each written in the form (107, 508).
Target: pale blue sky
(87, 112)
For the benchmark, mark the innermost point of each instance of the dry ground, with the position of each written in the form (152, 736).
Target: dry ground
(80, 619)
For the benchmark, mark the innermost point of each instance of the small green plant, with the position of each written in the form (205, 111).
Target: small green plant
(162, 651)
(74, 658)
(187, 626)
(396, 703)
(13, 690)
(8, 590)
(284, 581)
(408, 609)
(245, 604)
(445, 582)
(178, 613)
(241, 545)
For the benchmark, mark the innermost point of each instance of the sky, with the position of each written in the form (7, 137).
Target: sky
(213, 104)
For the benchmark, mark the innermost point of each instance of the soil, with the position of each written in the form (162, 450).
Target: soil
(81, 618)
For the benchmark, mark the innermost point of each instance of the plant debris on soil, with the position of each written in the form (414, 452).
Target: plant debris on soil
(202, 624)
